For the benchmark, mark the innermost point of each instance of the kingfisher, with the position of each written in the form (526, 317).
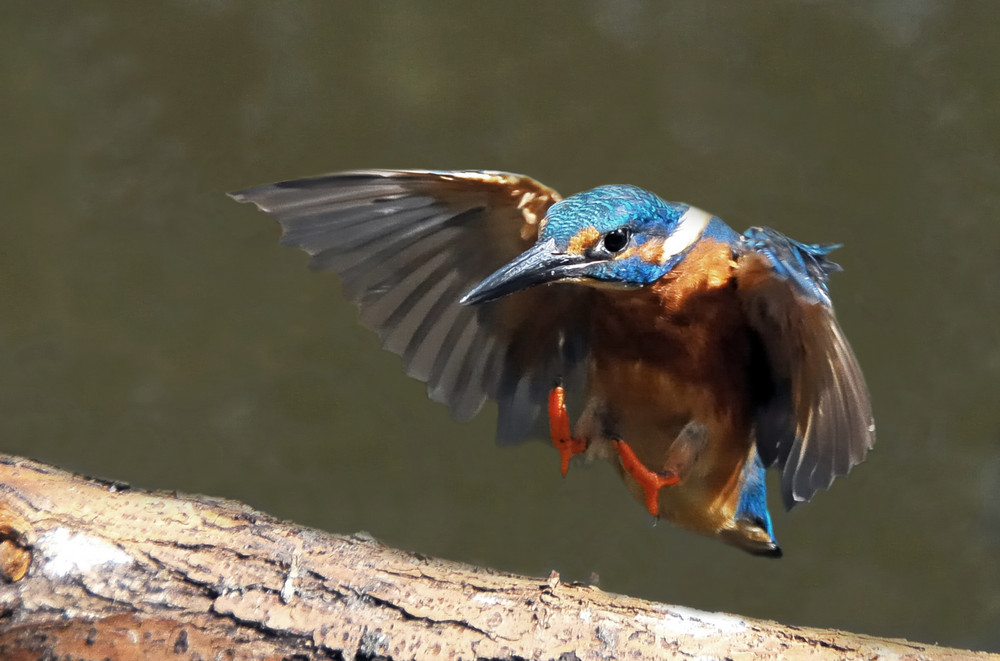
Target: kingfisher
(699, 357)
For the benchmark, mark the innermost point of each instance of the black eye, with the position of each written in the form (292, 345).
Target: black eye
(616, 240)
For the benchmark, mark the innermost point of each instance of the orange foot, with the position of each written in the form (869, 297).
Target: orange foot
(559, 426)
(650, 481)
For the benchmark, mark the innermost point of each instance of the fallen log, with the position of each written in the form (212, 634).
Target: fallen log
(93, 569)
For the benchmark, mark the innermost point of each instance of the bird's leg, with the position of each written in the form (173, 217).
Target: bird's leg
(681, 455)
(650, 481)
(559, 427)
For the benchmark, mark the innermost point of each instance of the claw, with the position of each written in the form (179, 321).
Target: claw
(650, 481)
(559, 427)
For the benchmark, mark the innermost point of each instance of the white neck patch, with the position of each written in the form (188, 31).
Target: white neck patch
(689, 228)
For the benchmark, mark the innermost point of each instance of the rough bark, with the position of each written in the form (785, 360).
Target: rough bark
(97, 570)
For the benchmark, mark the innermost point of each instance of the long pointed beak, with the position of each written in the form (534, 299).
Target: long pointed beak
(539, 264)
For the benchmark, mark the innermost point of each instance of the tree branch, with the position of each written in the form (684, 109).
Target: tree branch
(94, 569)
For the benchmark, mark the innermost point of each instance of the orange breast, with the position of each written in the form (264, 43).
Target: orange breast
(669, 354)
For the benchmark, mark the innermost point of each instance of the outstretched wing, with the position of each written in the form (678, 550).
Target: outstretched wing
(816, 423)
(407, 245)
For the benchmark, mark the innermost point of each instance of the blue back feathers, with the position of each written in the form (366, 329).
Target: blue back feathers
(804, 265)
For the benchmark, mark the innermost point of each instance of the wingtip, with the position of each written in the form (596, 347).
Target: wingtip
(244, 195)
(789, 496)
(249, 196)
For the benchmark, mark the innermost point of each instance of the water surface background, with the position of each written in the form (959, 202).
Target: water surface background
(153, 331)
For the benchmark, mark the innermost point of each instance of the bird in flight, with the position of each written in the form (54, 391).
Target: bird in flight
(700, 357)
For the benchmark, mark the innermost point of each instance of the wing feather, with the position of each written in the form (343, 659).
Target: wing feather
(408, 244)
(817, 423)
(425, 341)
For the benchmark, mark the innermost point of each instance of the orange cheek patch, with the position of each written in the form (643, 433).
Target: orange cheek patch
(584, 239)
(651, 251)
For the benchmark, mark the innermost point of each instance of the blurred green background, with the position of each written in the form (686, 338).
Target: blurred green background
(153, 331)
